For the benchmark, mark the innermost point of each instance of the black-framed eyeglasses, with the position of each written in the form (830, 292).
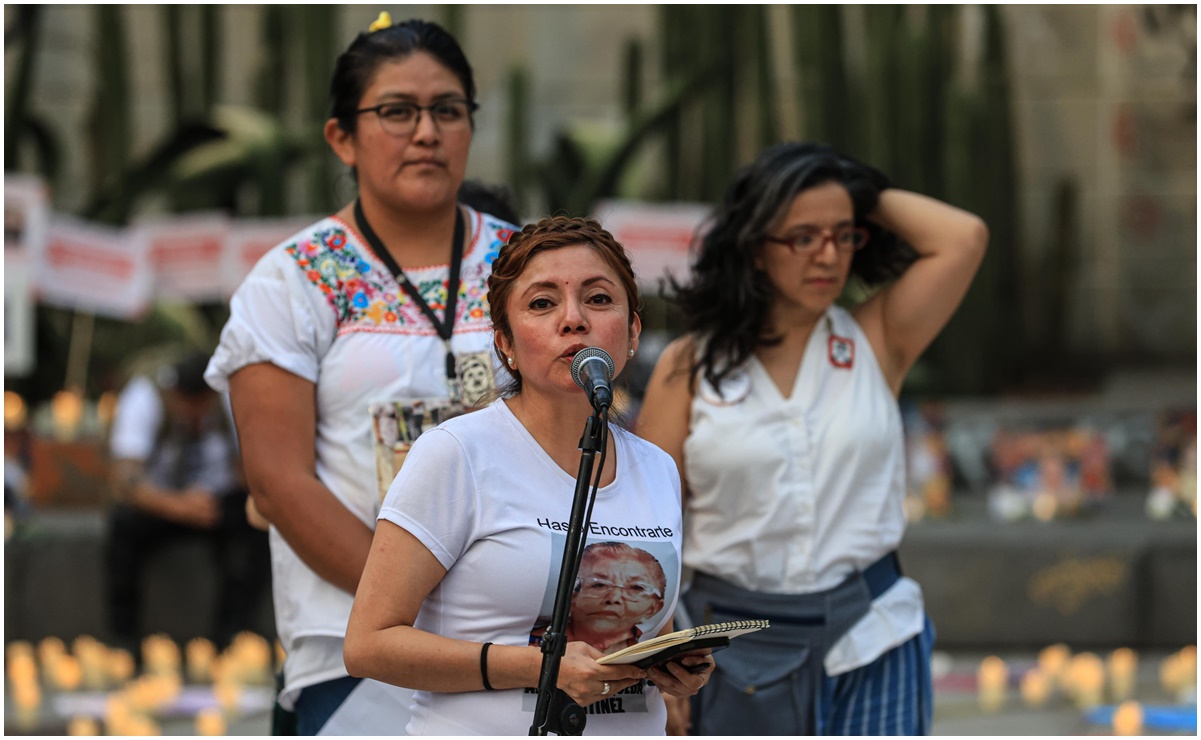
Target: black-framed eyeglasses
(401, 118)
(845, 239)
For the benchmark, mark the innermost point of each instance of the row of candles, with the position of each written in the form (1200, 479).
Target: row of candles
(134, 702)
(1084, 679)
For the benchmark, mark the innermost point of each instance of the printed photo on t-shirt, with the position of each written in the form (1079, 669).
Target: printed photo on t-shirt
(397, 425)
(474, 379)
(623, 592)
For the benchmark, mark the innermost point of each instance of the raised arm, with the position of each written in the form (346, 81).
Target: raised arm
(904, 318)
(276, 416)
(664, 418)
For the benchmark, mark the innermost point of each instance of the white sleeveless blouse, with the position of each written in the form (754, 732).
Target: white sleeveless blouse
(792, 495)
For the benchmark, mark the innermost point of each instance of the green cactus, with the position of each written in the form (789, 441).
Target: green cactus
(210, 57)
(452, 21)
(110, 110)
(516, 135)
(767, 128)
(173, 45)
(631, 77)
(272, 83)
(318, 33)
(21, 124)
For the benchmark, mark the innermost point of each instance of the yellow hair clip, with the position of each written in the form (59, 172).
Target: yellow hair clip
(384, 21)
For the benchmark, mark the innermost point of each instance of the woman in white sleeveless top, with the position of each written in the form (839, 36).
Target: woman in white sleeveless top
(780, 410)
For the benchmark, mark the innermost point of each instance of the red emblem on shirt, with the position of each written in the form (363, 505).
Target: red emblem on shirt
(842, 351)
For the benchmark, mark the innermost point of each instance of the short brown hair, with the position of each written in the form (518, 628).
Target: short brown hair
(553, 232)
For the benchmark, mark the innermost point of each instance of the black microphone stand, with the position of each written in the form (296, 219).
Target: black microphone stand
(556, 711)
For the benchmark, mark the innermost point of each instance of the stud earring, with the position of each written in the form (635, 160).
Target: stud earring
(631, 353)
(510, 360)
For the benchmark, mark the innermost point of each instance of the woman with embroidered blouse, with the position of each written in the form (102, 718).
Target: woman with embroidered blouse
(352, 325)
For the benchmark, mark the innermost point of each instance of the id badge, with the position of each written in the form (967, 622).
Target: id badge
(397, 424)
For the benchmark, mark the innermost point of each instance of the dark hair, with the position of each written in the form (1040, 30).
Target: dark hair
(495, 200)
(186, 376)
(727, 300)
(357, 65)
(553, 232)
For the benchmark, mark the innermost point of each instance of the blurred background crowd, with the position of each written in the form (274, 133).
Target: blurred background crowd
(153, 153)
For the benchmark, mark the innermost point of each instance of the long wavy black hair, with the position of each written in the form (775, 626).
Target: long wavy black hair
(726, 301)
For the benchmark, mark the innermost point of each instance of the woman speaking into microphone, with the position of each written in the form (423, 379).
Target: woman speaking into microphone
(470, 537)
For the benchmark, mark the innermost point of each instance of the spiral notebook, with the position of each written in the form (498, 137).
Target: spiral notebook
(665, 647)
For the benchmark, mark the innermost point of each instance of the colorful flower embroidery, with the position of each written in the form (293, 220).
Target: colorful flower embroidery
(365, 297)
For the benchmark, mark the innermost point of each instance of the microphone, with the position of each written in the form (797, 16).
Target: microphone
(592, 369)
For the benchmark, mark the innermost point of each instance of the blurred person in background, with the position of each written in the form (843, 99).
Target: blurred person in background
(780, 409)
(378, 306)
(175, 476)
(495, 200)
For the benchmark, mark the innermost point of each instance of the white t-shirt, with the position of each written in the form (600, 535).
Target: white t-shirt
(493, 507)
(323, 307)
(792, 495)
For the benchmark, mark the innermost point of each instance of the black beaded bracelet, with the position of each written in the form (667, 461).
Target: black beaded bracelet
(484, 666)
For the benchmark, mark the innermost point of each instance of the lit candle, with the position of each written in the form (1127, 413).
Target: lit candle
(18, 648)
(201, 654)
(1178, 674)
(22, 669)
(120, 666)
(49, 651)
(161, 654)
(257, 652)
(228, 695)
(210, 722)
(1188, 657)
(83, 727)
(66, 411)
(992, 680)
(106, 408)
(1087, 680)
(1123, 673)
(117, 714)
(66, 674)
(1128, 719)
(140, 695)
(28, 698)
(92, 657)
(141, 726)
(1036, 687)
(14, 410)
(1052, 661)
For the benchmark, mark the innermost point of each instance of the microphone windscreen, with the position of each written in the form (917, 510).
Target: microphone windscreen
(594, 353)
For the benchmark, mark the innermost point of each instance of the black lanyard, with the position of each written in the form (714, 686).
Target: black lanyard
(445, 328)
